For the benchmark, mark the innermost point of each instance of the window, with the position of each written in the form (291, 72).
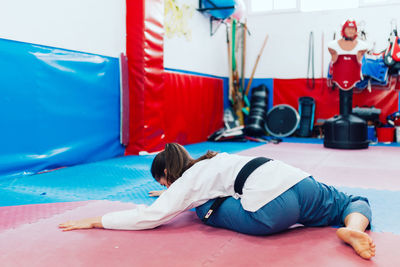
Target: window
(378, 2)
(262, 6)
(257, 6)
(373, 1)
(318, 5)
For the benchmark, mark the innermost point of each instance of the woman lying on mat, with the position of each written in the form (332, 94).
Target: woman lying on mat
(274, 197)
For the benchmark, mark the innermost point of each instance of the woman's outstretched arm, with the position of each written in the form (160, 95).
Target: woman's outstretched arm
(180, 196)
(87, 223)
(95, 222)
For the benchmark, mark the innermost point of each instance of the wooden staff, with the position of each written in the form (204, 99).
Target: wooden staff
(322, 54)
(244, 33)
(228, 41)
(255, 65)
(246, 108)
(238, 100)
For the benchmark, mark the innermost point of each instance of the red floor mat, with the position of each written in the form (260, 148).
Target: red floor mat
(185, 241)
(14, 216)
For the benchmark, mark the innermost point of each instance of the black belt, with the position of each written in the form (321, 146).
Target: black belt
(239, 183)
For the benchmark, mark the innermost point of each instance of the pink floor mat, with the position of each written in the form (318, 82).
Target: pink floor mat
(185, 241)
(377, 167)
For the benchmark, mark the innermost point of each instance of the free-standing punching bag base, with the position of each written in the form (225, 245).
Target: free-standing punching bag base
(346, 130)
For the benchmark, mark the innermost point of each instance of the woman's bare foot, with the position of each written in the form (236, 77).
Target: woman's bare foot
(361, 242)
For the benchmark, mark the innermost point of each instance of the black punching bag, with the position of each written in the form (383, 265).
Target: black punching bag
(346, 130)
(306, 113)
(255, 124)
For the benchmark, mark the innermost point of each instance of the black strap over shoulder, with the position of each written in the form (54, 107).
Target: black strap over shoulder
(246, 171)
(241, 178)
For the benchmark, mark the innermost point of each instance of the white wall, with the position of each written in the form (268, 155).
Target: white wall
(286, 53)
(98, 26)
(94, 26)
(203, 53)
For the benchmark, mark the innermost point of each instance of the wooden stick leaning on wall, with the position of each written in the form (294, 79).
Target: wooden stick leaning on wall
(238, 99)
(255, 65)
(244, 33)
(322, 54)
(246, 108)
(228, 41)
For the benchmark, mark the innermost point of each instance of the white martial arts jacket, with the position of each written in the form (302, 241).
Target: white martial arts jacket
(209, 179)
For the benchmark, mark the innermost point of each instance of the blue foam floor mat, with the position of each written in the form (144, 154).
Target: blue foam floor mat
(385, 208)
(123, 179)
(196, 150)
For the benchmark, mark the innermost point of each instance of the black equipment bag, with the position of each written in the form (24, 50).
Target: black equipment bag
(306, 113)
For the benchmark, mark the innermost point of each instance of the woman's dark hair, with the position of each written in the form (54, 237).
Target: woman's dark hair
(176, 160)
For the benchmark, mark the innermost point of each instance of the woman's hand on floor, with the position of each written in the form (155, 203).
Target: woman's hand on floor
(82, 224)
(156, 193)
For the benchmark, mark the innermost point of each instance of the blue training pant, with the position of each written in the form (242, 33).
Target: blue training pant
(308, 202)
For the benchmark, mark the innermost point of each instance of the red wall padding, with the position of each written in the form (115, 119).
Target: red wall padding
(164, 107)
(145, 30)
(193, 107)
(288, 91)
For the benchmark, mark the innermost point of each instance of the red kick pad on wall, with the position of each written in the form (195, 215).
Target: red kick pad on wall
(182, 108)
(288, 91)
(193, 107)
